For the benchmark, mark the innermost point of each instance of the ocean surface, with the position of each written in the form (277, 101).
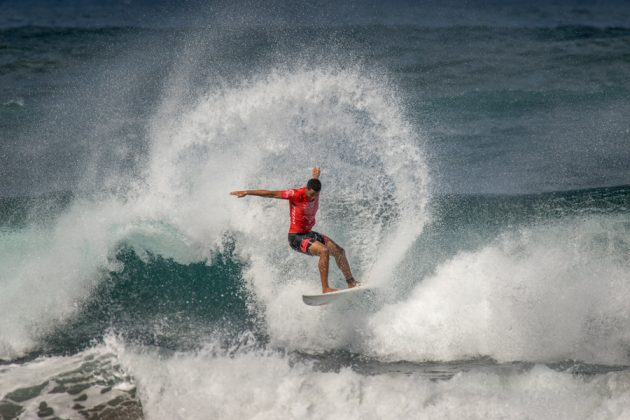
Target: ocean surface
(475, 167)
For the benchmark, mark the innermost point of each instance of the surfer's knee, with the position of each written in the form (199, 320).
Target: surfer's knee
(324, 252)
(335, 249)
(340, 251)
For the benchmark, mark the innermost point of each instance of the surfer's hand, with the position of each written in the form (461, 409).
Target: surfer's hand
(239, 194)
(316, 171)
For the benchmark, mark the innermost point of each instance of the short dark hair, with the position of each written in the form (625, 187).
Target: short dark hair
(314, 184)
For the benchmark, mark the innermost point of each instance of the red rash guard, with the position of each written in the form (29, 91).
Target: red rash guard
(301, 210)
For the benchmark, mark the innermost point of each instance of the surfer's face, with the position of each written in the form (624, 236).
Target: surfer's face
(312, 194)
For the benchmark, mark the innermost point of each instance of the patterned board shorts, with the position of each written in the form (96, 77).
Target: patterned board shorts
(301, 242)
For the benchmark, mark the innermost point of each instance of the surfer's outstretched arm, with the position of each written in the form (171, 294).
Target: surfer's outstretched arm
(259, 193)
(315, 172)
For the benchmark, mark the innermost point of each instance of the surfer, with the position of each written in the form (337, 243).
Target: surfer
(303, 205)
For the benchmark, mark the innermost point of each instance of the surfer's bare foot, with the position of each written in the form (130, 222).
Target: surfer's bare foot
(352, 283)
(329, 289)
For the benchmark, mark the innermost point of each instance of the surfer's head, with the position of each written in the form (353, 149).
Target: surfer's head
(313, 187)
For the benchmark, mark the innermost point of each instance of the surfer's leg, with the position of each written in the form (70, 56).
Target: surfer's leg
(319, 249)
(342, 262)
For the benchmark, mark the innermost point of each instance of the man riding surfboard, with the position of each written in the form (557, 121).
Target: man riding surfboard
(303, 205)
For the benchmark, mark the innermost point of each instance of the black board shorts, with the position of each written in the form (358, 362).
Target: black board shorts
(301, 242)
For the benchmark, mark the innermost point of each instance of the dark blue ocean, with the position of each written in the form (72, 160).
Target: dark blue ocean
(474, 161)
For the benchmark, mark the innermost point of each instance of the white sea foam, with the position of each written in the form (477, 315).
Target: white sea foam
(246, 383)
(19, 101)
(56, 382)
(267, 385)
(552, 292)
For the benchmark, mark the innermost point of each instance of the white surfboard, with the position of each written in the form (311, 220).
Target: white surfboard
(326, 298)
